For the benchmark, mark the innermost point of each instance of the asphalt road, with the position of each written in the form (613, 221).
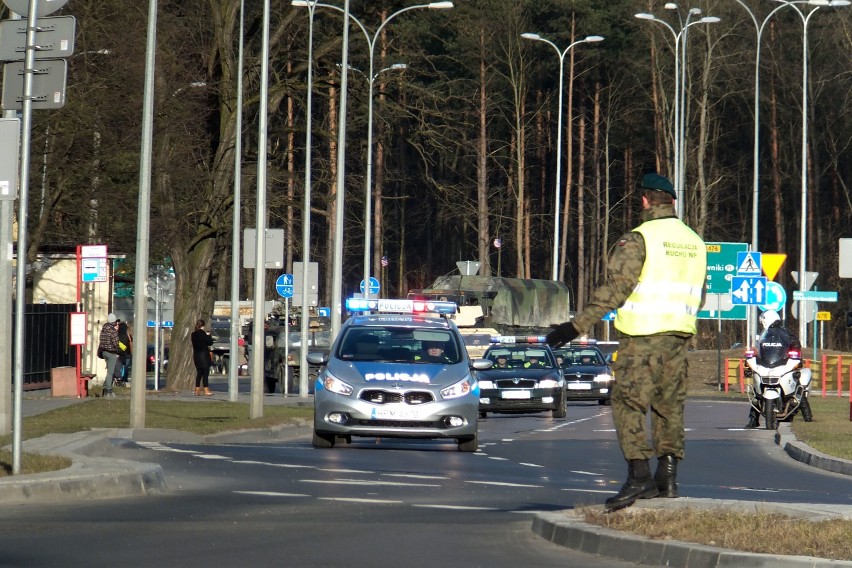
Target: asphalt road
(394, 502)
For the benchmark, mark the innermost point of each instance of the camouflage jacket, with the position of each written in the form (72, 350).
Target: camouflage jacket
(625, 265)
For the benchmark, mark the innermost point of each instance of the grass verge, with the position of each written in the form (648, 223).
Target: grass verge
(749, 533)
(831, 430)
(209, 417)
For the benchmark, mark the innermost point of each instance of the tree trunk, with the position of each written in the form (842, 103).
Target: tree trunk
(482, 205)
(581, 213)
(332, 190)
(291, 182)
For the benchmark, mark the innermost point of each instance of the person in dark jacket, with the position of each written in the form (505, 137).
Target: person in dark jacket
(201, 342)
(109, 351)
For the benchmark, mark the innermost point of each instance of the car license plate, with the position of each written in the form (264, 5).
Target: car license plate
(395, 413)
(579, 386)
(524, 394)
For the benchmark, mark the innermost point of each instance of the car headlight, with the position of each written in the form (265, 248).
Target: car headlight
(548, 383)
(486, 384)
(603, 378)
(335, 385)
(461, 388)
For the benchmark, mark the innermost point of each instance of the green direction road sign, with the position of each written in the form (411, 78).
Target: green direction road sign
(722, 265)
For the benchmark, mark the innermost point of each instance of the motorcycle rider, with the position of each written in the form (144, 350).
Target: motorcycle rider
(772, 324)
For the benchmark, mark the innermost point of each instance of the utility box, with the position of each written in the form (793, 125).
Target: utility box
(63, 381)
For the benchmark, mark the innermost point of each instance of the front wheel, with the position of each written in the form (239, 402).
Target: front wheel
(468, 444)
(562, 410)
(321, 440)
(770, 413)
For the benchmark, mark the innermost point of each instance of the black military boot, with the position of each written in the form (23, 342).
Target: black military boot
(805, 407)
(639, 485)
(666, 475)
(753, 418)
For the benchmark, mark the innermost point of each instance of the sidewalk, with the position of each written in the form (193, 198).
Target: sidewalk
(94, 476)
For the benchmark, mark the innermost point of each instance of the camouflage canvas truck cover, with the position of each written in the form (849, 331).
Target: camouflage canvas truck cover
(508, 305)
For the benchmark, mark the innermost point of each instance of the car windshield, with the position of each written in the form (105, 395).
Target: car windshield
(519, 357)
(571, 357)
(315, 339)
(399, 345)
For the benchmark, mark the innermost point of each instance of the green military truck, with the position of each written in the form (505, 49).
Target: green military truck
(493, 305)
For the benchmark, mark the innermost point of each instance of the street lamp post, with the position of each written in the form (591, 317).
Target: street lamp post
(558, 184)
(803, 286)
(234, 349)
(751, 323)
(371, 43)
(679, 129)
(306, 207)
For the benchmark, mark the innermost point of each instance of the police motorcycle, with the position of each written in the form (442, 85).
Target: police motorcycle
(780, 383)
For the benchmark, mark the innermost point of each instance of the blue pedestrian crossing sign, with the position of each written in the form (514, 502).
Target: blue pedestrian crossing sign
(748, 290)
(284, 285)
(748, 263)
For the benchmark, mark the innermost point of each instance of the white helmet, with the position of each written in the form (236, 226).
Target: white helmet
(769, 317)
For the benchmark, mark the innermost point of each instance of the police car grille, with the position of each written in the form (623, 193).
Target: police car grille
(398, 424)
(525, 404)
(516, 384)
(584, 378)
(377, 396)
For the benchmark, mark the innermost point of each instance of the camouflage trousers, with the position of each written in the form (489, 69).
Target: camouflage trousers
(650, 374)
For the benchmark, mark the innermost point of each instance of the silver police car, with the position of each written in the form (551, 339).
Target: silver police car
(403, 374)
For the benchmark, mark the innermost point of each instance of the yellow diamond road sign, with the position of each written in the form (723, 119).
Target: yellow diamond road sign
(771, 263)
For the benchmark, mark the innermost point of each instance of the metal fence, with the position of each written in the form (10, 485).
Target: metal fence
(47, 329)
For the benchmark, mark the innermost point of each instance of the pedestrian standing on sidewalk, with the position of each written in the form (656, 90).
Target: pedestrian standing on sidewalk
(125, 343)
(109, 351)
(202, 357)
(656, 283)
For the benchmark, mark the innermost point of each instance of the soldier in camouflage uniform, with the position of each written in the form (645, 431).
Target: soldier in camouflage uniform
(656, 282)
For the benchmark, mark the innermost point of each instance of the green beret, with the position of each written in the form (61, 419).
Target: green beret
(659, 183)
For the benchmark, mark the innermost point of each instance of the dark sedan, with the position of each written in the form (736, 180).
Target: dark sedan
(523, 377)
(587, 373)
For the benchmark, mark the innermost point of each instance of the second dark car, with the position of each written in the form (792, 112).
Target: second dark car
(524, 377)
(587, 372)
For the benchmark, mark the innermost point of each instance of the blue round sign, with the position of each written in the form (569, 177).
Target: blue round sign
(284, 285)
(776, 297)
(374, 286)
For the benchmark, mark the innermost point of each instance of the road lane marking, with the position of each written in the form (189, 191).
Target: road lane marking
(455, 507)
(505, 484)
(367, 482)
(354, 500)
(272, 494)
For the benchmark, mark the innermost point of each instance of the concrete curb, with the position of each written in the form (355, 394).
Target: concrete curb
(566, 529)
(87, 478)
(807, 455)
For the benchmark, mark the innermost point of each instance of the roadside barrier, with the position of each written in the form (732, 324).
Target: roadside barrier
(831, 373)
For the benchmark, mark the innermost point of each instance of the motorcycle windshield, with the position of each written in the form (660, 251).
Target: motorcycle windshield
(773, 346)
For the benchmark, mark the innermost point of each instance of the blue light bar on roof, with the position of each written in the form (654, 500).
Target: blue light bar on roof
(400, 306)
(519, 339)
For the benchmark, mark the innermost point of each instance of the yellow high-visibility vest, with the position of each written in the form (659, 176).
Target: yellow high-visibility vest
(668, 295)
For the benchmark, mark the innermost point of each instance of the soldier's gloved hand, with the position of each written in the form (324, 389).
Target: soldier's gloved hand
(562, 334)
